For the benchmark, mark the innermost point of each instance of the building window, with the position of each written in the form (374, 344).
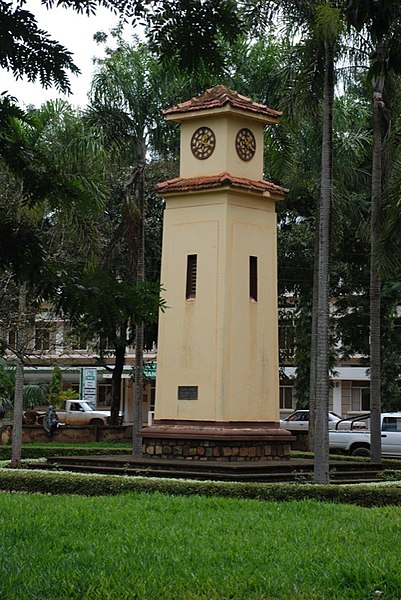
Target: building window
(192, 265)
(286, 397)
(104, 394)
(253, 278)
(42, 338)
(391, 424)
(360, 398)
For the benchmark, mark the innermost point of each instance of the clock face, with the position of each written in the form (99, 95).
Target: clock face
(245, 144)
(203, 143)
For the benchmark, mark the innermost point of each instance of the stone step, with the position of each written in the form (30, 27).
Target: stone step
(171, 473)
(184, 470)
(273, 466)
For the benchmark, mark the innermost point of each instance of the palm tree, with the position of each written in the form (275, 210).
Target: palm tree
(375, 279)
(382, 22)
(319, 23)
(129, 91)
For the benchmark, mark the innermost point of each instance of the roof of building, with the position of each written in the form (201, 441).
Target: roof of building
(219, 96)
(185, 184)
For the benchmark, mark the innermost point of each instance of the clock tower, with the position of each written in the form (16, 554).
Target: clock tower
(217, 390)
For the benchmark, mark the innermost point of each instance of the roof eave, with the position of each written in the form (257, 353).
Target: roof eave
(265, 118)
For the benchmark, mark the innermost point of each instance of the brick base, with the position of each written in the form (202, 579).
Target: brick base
(229, 442)
(214, 450)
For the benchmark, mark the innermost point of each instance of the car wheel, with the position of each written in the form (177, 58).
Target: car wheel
(361, 451)
(96, 422)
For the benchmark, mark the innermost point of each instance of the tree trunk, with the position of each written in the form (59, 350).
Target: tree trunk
(116, 379)
(137, 438)
(139, 337)
(375, 399)
(321, 458)
(313, 347)
(19, 382)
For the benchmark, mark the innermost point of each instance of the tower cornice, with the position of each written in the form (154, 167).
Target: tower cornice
(222, 180)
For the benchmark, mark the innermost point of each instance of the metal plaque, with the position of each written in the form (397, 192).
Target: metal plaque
(187, 392)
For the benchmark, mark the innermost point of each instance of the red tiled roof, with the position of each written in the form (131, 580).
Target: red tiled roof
(185, 184)
(218, 96)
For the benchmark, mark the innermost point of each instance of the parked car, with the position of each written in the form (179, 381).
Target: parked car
(80, 412)
(74, 412)
(356, 439)
(299, 421)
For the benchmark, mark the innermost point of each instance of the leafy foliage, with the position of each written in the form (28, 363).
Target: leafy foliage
(27, 50)
(55, 386)
(6, 385)
(87, 300)
(194, 31)
(33, 393)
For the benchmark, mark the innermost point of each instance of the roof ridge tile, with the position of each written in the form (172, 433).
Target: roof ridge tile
(217, 97)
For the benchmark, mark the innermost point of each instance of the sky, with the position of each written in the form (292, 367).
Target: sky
(75, 32)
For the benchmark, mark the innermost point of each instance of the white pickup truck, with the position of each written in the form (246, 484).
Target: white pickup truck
(81, 412)
(356, 439)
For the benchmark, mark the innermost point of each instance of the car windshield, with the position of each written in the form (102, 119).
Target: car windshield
(91, 404)
(298, 416)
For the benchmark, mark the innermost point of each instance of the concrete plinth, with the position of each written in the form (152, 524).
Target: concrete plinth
(216, 441)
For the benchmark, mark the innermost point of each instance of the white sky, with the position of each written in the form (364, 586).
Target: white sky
(75, 32)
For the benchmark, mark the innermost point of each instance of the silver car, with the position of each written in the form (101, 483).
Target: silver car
(299, 421)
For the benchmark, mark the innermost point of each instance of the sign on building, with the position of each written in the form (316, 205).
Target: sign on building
(88, 383)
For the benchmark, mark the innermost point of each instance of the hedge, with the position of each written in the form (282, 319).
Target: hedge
(387, 463)
(57, 482)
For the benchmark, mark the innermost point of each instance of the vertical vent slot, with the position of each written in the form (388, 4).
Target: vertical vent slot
(192, 265)
(253, 278)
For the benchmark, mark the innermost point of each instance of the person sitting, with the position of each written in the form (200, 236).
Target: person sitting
(50, 421)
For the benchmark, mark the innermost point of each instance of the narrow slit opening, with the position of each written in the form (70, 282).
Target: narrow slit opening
(253, 278)
(192, 264)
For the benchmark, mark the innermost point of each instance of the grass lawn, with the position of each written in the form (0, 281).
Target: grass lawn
(151, 546)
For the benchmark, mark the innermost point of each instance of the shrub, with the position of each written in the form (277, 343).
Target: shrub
(57, 482)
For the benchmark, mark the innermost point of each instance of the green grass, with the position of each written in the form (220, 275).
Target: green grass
(154, 547)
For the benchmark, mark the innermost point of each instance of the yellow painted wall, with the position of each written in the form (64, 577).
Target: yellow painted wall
(222, 341)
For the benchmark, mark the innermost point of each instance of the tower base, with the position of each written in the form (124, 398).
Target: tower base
(216, 441)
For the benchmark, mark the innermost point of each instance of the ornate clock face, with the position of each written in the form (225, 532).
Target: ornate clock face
(203, 143)
(245, 144)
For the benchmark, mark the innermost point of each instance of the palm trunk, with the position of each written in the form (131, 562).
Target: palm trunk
(375, 400)
(313, 347)
(321, 447)
(137, 438)
(116, 379)
(19, 382)
(138, 395)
